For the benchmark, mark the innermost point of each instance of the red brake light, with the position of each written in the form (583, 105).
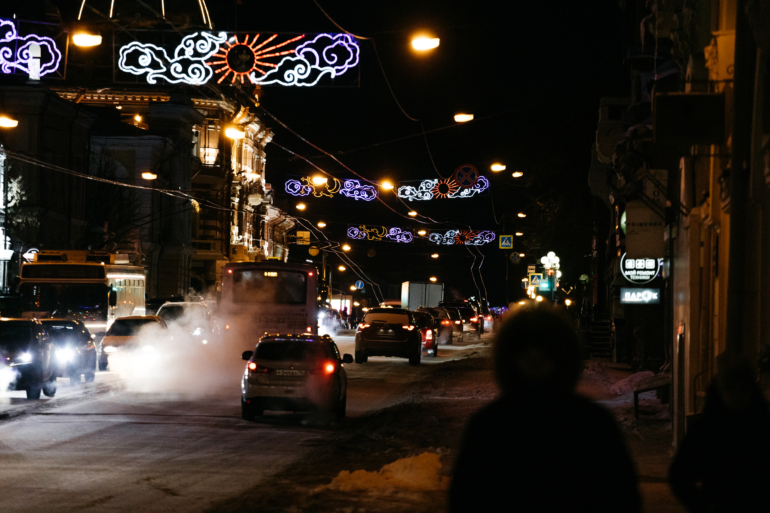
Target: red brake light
(429, 335)
(329, 368)
(474, 319)
(310, 274)
(230, 271)
(362, 326)
(227, 326)
(309, 329)
(489, 317)
(408, 328)
(252, 366)
(457, 322)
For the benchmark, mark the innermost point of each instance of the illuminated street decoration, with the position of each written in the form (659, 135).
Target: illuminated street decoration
(350, 188)
(30, 54)
(361, 232)
(462, 237)
(441, 189)
(259, 59)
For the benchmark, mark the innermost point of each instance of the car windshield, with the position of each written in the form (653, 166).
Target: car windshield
(294, 350)
(423, 320)
(130, 327)
(276, 287)
(454, 314)
(63, 333)
(387, 317)
(467, 312)
(15, 336)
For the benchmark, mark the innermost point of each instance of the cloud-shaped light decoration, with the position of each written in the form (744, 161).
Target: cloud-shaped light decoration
(354, 189)
(188, 66)
(296, 188)
(367, 232)
(428, 190)
(15, 54)
(462, 237)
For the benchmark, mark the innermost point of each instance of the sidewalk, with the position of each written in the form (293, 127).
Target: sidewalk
(649, 438)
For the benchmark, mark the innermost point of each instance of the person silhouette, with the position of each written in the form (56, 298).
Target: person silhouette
(540, 446)
(723, 462)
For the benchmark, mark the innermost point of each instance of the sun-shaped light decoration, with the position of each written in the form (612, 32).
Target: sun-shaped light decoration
(464, 236)
(241, 57)
(444, 188)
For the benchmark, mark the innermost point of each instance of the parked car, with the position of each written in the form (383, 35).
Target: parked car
(192, 317)
(388, 332)
(29, 352)
(127, 333)
(75, 349)
(443, 324)
(294, 373)
(428, 332)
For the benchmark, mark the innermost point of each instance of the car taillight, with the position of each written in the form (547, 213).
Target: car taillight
(489, 317)
(329, 368)
(474, 319)
(408, 328)
(254, 368)
(309, 329)
(362, 326)
(429, 335)
(457, 322)
(446, 322)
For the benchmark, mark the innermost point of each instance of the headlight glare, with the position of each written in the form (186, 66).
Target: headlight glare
(110, 349)
(65, 354)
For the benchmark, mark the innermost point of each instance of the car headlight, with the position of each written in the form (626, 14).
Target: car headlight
(22, 359)
(65, 354)
(110, 349)
(198, 332)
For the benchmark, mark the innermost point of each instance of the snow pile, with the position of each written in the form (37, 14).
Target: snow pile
(421, 472)
(627, 385)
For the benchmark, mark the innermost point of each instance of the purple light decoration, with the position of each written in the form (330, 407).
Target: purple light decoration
(328, 55)
(295, 188)
(19, 59)
(354, 189)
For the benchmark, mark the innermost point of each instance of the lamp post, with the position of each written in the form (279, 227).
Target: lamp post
(551, 264)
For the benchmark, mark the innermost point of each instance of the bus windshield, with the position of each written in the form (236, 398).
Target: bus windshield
(269, 286)
(65, 300)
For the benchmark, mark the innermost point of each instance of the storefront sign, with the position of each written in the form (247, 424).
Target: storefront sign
(640, 270)
(644, 231)
(639, 296)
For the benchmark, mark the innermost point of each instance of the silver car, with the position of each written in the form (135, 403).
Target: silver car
(294, 373)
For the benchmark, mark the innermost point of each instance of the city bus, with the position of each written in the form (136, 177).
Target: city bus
(267, 297)
(91, 286)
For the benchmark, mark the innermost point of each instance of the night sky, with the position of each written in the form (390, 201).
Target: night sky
(531, 73)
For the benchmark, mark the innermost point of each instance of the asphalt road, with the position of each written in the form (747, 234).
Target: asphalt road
(124, 444)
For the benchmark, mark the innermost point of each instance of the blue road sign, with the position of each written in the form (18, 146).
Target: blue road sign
(506, 242)
(360, 284)
(535, 279)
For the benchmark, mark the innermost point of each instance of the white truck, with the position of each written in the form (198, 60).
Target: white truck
(416, 294)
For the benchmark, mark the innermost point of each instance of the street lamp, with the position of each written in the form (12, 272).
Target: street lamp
(319, 180)
(345, 247)
(411, 213)
(463, 118)
(517, 174)
(84, 38)
(149, 176)
(341, 268)
(353, 288)
(519, 234)
(521, 255)
(301, 206)
(522, 214)
(234, 133)
(497, 167)
(421, 233)
(423, 43)
(433, 279)
(386, 185)
(321, 224)
(434, 255)
(6, 122)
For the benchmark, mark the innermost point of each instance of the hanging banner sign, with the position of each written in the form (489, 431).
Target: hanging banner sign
(640, 270)
(448, 188)
(349, 188)
(462, 237)
(31, 48)
(360, 232)
(228, 58)
(630, 296)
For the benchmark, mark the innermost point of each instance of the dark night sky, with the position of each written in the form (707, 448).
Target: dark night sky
(531, 72)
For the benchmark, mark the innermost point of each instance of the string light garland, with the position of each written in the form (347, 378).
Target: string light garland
(17, 55)
(441, 189)
(273, 60)
(349, 188)
(461, 237)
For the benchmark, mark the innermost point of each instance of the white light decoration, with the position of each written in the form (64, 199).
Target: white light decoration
(31, 54)
(462, 237)
(441, 189)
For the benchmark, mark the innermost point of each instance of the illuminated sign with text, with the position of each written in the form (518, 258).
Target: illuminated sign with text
(630, 296)
(640, 270)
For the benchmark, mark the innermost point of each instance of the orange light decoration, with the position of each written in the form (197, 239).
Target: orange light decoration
(444, 188)
(464, 235)
(241, 57)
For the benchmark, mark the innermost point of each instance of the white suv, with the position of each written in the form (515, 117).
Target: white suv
(294, 373)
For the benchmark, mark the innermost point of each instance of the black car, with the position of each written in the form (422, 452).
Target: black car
(443, 323)
(388, 332)
(29, 352)
(457, 320)
(75, 349)
(467, 313)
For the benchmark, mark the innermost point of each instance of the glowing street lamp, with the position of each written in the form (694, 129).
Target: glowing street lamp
(519, 234)
(463, 118)
(6, 122)
(234, 133)
(539, 298)
(321, 224)
(149, 176)
(411, 213)
(319, 180)
(341, 268)
(522, 214)
(386, 185)
(301, 206)
(86, 39)
(433, 279)
(346, 247)
(138, 118)
(517, 174)
(434, 255)
(497, 167)
(421, 233)
(353, 287)
(521, 255)
(423, 43)
(567, 302)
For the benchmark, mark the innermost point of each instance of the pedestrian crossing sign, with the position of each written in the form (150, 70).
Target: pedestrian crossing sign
(506, 242)
(536, 279)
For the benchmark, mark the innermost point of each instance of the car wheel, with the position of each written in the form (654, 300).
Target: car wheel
(360, 358)
(49, 389)
(90, 376)
(33, 392)
(435, 349)
(341, 408)
(415, 358)
(249, 412)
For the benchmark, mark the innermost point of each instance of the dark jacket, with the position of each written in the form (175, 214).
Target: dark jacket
(546, 453)
(723, 463)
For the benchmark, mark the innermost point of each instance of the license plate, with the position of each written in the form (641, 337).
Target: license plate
(287, 372)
